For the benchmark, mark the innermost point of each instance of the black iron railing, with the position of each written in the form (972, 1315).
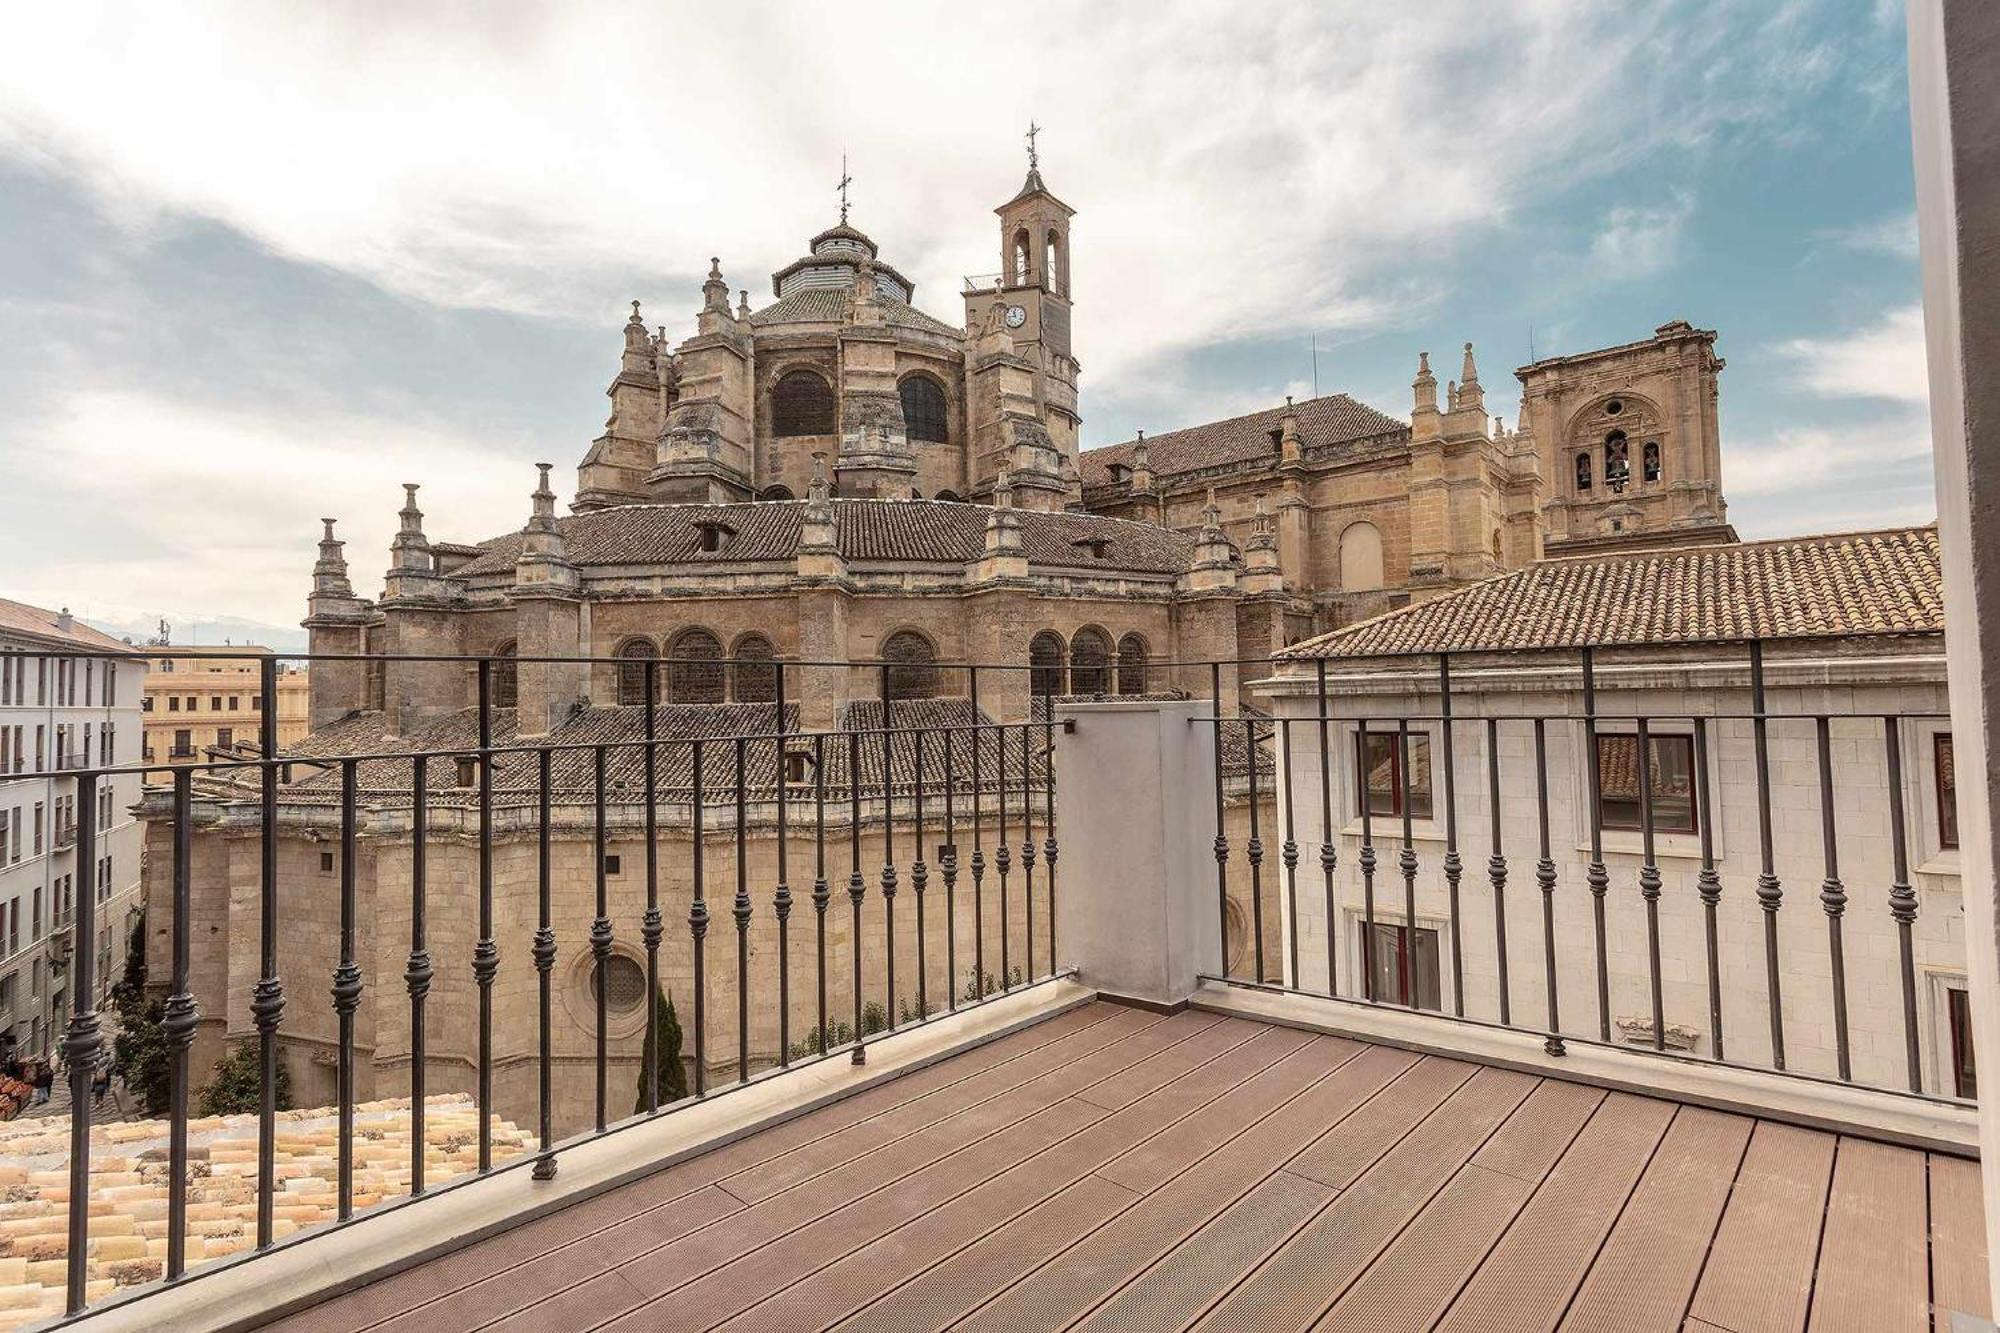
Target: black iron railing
(1347, 735)
(898, 776)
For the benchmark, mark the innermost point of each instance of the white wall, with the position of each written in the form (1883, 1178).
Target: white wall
(1875, 1010)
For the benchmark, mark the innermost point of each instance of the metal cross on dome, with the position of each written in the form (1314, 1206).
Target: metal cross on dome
(1033, 130)
(845, 181)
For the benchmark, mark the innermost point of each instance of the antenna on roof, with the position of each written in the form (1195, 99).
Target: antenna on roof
(1531, 342)
(1315, 365)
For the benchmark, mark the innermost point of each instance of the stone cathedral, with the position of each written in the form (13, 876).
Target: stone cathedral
(836, 474)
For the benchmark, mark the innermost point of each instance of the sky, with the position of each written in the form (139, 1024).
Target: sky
(262, 264)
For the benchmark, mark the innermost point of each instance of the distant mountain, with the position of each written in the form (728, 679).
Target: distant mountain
(203, 633)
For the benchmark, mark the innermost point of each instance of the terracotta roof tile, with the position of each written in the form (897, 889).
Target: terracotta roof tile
(1844, 584)
(828, 305)
(919, 530)
(1332, 419)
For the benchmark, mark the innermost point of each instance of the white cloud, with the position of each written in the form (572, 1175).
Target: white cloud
(1895, 235)
(1825, 459)
(1883, 360)
(1636, 242)
(1238, 171)
(222, 509)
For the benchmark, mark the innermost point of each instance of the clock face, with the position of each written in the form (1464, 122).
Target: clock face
(1016, 316)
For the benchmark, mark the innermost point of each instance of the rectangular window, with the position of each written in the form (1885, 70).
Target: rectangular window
(183, 744)
(38, 828)
(326, 863)
(1671, 774)
(1403, 975)
(1964, 1077)
(173, 703)
(235, 702)
(611, 863)
(1947, 789)
(225, 737)
(215, 703)
(1382, 767)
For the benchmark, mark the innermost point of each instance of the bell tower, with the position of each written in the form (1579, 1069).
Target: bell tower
(1025, 422)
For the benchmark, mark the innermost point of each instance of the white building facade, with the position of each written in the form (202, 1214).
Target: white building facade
(1854, 706)
(61, 711)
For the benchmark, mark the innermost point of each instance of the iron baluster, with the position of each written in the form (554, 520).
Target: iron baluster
(821, 894)
(1595, 876)
(1454, 869)
(1833, 897)
(948, 864)
(543, 953)
(1545, 878)
(84, 1041)
(1003, 855)
(1328, 858)
(888, 854)
(417, 970)
(698, 925)
(346, 999)
(741, 909)
(1902, 900)
(1253, 851)
(1770, 893)
(1496, 866)
(267, 999)
(857, 888)
(920, 875)
(978, 853)
(1049, 847)
(1289, 852)
(486, 952)
(1367, 787)
(1028, 849)
(178, 1024)
(1708, 883)
(1221, 829)
(1406, 862)
(600, 935)
(1649, 883)
(781, 897)
(652, 926)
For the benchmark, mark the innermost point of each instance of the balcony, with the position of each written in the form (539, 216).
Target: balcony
(1023, 1014)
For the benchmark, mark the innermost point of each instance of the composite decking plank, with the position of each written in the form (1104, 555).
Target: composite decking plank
(775, 1175)
(1759, 1277)
(1027, 1243)
(568, 1229)
(1167, 1296)
(1527, 1279)
(1958, 1240)
(1873, 1270)
(1645, 1274)
(1054, 1294)
(1006, 1173)
(845, 1282)
(1111, 1047)
(1411, 1282)
(1296, 1285)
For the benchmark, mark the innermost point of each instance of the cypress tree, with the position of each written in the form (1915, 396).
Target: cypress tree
(664, 1036)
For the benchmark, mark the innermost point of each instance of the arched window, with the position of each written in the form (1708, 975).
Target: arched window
(1089, 652)
(1046, 652)
(1617, 459)
(1132, 657)
(1052, 265)
(1361, 558)
(633, 654)
(695, 674)
(776, 492)
(1583, 472)
(1652, 457)
(923, 409)
(504, 680)
(802, 404)
(949, 497)
(1022, 253)
(754, 676)
(912, 673)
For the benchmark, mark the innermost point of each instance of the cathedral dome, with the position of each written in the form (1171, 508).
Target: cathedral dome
(834, 259)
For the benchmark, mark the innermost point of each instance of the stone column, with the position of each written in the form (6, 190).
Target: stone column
(1955, 118)
(1137, 914)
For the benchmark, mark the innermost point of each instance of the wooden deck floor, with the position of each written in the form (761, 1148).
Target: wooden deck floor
(1114, 1169)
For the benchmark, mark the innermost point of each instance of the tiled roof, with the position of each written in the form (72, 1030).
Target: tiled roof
(828, 305)
(385, 782)
(921, 530)
(20, 618)
(128, 1188)
(1332, 419)
(1845, 584)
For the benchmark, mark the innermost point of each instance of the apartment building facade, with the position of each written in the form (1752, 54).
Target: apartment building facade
(59, 712)
(205, 700)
